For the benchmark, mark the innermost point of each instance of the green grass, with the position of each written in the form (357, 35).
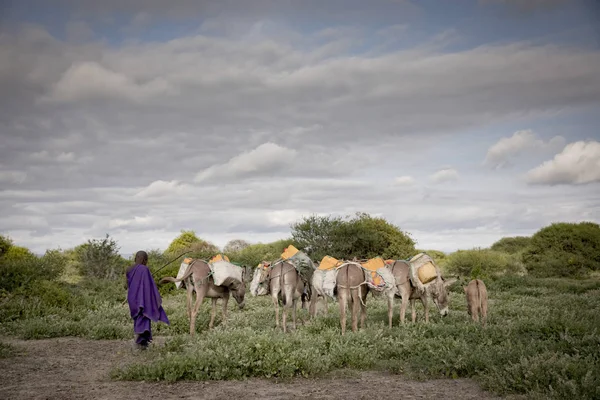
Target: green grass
(542, 338)
(7, 350)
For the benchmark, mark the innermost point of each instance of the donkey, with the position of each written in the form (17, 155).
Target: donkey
(477, 300)
(286, 285)
(438, 291)
(351, 287)
(198, 278)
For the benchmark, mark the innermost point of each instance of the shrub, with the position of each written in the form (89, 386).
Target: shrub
(482, 263)
(564, 249)
(5, 244)
(18, 267)
(100, 258)
(512, 245)
(361, 236)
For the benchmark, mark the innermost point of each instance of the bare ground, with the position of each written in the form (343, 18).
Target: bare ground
(73, 368)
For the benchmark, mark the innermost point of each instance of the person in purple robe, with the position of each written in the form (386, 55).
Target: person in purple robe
(145, 303)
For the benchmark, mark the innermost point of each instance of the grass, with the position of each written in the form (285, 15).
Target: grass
(7, 350)
(542, 338)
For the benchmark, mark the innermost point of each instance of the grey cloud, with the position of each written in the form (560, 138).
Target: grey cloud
(121, 157)
(177, 99)
(267, 159)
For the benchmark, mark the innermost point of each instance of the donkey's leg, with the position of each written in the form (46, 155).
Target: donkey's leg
(225, 302)
(200, 293)
(390, 309)
(294, 305)
(363, 305)
(426, 307)
(312, 309)
(342, 300)
(403, 307)
(276, 304)
(354, 298)
(414, 310)
(213, 311)
(190, 297)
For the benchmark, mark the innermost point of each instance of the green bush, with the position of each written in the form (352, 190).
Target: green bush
(512, 245)
(564, 249)
(5, 244)
(18, 267)
(253, 254)
(361, 236)
(482, 263)
(100, 259)
(7, 350)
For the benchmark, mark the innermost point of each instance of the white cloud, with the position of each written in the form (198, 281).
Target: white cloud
(444, 175)
(404, 180)
(267, 159)
(501, 153)
(578, 163)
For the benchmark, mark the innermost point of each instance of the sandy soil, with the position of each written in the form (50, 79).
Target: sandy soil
(73, 368)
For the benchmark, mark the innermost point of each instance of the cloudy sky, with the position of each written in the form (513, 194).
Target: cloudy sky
(461, 124)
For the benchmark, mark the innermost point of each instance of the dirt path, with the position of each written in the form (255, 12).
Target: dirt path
(72, 368)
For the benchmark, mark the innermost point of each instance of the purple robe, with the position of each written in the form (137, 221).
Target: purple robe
(145, 303)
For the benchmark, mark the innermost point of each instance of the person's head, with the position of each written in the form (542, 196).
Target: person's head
(141, 257)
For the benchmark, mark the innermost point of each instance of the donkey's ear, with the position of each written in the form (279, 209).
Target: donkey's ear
(449, 282)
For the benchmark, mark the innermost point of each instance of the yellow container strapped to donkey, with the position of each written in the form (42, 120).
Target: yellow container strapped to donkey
(219, 257)
(372, 266)
(328, 263)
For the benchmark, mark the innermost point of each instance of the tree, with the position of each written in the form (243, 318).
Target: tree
(564, 249)
(187, 241)
(100, 258)
(235, 246)
(512, 245)
(316, 235)
(5, 244)
(253, 254)
(362, 236)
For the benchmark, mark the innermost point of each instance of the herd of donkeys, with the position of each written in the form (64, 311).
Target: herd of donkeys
(295, 277)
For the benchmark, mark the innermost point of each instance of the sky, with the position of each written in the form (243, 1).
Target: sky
(460, 122)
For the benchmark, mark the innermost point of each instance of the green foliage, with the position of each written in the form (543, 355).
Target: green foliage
(317, 235)
(100, 258)
(18, 267)
(482, 263)
(564, 249)
(512, 245)
(53, 264)
(534, 344)
(253, 254)
(7, 350)
(362, 236)
(188, 240)
(5, 244)
(190, 244)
